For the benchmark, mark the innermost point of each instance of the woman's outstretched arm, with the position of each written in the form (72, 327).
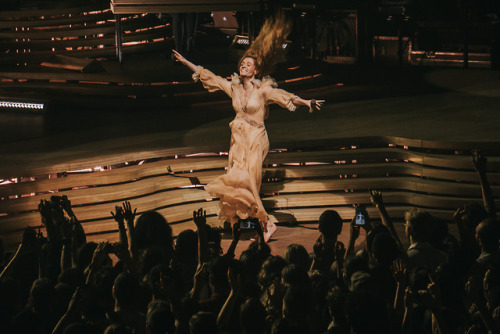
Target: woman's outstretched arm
(210, 81)
(289, 100)
(312, 104)
(184, 61)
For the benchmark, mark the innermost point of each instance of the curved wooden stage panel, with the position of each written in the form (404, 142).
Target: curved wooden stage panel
(33, 36)
(300, 181)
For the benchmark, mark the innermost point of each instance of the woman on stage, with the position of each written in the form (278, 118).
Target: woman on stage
(239, 188)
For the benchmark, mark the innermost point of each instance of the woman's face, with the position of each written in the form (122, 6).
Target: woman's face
(247, 68)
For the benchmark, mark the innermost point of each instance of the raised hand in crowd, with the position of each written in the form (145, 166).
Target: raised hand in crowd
(338, 265)
(66, 206)
(236, 233)
(431, 299)
(480, 161)
(226, 312)
(377, 199)
(99, 257)
(464, 231)
(200, 220)
(45, 209)
(475, 293)
(353, 236)
(119, 218)
(400, 275)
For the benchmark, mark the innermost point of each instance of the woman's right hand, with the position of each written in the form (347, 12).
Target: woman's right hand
(178, 56)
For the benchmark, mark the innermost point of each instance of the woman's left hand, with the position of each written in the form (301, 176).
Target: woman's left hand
(315, 104)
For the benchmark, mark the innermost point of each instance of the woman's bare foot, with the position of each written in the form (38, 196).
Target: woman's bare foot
(271, 228)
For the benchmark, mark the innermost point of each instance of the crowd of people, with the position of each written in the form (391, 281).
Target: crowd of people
(151, 282)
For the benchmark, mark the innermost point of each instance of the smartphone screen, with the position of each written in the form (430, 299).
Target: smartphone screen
(360, 217)
(247, 224)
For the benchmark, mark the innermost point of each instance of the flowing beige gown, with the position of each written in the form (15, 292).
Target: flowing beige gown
(238, 189)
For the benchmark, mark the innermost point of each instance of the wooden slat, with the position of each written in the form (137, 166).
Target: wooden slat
(397, 183)
(90, 29)
(151, 185)
(56, 21)
(289, 201)
(150, 199)
(286, 172)
(41, 45)
(54, 162)
(360, 155)
(37, 13)
(106, 51)
(119, 175)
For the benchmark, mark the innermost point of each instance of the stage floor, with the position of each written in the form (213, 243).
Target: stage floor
(442, 104)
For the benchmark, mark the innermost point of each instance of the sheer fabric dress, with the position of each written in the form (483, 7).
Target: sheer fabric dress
(239, 188)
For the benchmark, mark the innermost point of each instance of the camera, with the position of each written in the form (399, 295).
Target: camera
(360, 218)
(248, 224)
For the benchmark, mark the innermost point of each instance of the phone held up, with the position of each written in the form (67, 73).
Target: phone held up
(248, 223)
(360, 218)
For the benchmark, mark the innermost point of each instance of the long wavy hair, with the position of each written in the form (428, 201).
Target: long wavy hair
(267, 49)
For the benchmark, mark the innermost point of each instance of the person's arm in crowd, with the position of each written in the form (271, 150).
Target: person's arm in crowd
(129, 217)
(226, 312)
(121, 248)
(76, 237)
(168, 286)
(67, 231)
(199, 280)
(67, 226)
(339, 260)
(120, 220)
(431, 299)
(66, 206)
(480, 161)
(236, 238)
(8, 268)
(318, 250)
(475, 293)
(200, 219)
(71, 313)
(260, 234)
(377, 200)
(466, 235)
(97, 259)
(353, 236)
(45, 209)
(400, 276)
(407, 323)
(30, 243)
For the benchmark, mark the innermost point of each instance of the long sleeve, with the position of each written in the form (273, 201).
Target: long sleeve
(212, 82)
(280, 97)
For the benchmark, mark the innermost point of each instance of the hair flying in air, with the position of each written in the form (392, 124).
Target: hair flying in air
(267, 48)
